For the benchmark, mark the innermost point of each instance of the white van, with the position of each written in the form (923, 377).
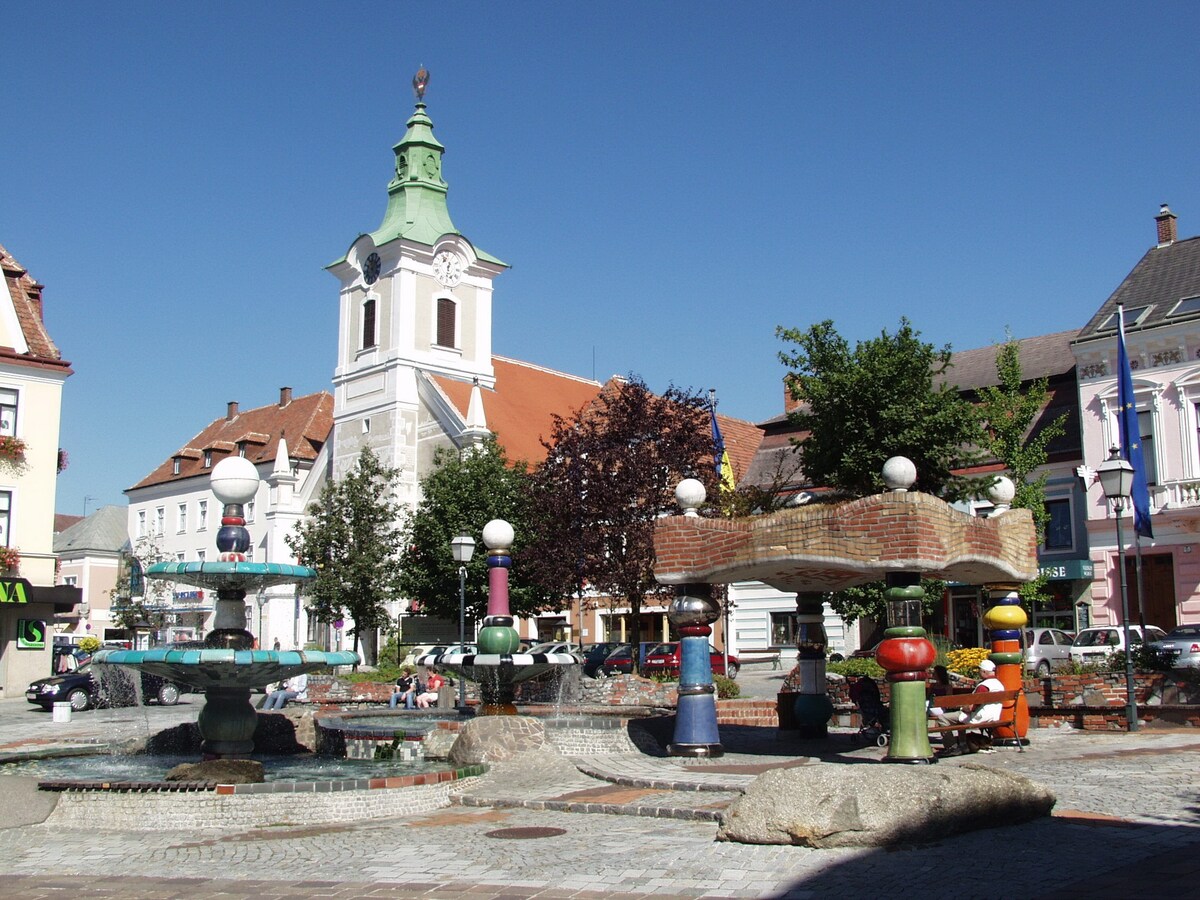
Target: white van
(1095, 645)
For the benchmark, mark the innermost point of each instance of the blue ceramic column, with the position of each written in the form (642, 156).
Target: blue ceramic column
(692, 612)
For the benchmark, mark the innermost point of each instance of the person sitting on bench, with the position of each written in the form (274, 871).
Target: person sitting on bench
(980, 715)
(433, 681)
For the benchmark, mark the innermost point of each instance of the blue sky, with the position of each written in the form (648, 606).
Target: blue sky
(670, 182)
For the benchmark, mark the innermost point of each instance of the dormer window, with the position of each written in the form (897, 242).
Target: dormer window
(175, 463)
(447, 314)
(1185, 306)
(208, 459)
(1133, 316)
(241, 447)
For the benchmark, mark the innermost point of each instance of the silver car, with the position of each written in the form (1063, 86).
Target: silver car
(1183, 643)
(1046, 650)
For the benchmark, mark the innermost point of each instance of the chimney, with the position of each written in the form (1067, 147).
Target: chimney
(789, 402)
(285, 397)
(231, 410)
(1167, 233)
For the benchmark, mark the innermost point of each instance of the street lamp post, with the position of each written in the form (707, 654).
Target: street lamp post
(262, 600)
(463, 548)
(1116, 480)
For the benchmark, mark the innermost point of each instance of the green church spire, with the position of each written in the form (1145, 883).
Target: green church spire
(416, 207)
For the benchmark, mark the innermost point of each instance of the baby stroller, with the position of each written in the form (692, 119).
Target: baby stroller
(876, 722)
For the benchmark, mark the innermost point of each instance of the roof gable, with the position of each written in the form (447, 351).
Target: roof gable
(25, 294)
(304, 422)
(1162, 277)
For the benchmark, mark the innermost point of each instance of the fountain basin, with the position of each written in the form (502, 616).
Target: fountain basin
(223, 667)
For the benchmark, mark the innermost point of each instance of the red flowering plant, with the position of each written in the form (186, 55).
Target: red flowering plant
(10, 559)
(12, 449)
(63, 459)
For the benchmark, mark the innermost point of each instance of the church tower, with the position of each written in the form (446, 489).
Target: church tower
(416, 302)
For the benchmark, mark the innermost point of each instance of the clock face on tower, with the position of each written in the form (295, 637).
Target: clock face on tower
(371, 269)
(447, 268)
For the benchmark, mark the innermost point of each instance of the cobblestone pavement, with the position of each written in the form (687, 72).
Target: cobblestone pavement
(1128, 817)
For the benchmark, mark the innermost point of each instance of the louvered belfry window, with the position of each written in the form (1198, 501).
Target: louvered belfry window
(445, 322)
(368, 318)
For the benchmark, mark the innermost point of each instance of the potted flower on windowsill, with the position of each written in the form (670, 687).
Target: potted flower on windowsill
(10, 559)
(12, 450)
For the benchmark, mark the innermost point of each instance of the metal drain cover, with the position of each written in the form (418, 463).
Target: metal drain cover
(524, 834)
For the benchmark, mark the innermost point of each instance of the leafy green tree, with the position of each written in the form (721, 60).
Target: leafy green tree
(352, 538)
(1011, 414)
(610, 472)
(135, 600)
(884, 398)
(464, 491)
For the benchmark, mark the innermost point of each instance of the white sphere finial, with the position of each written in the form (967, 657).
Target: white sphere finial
(234, 480)
(689, 494)
(1001, 493)
(899, 474)
(498, 535)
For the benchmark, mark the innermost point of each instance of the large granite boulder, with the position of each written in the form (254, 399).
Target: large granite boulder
(493, 738)
(879, 805)
(219, 771)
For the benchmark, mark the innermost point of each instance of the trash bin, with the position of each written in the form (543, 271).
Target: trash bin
(62, 712)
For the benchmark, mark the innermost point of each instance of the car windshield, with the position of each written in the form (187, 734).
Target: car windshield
(1100, 637)
(661, 650)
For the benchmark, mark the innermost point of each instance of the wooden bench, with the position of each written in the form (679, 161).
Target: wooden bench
(759, 654)
(1008, 711)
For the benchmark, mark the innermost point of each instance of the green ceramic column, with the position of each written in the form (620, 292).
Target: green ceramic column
(906, 654)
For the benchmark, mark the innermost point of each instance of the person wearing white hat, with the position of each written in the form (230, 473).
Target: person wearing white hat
(979, 715)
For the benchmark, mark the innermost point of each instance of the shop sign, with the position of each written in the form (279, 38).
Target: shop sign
(15, 590)
(1068, 570)
(31, 634)
(189, 595)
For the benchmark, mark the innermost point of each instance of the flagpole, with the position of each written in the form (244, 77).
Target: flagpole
(1141, 584)
(712, 409)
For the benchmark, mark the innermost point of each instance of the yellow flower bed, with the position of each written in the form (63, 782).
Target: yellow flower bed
(966, 660)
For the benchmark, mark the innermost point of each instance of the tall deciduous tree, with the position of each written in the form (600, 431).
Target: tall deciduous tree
(884, 398)
(609, 473)
(136, 600)
(464, 491)
(1017, 432)
(352, 538)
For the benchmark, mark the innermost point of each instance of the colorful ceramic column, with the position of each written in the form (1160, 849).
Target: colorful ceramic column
(812, 707)
(906, 654)
(1004, 621)
(692, 612)
(498, 634)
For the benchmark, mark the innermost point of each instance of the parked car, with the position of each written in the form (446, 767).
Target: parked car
(83, 691)
(866, 652)
(554, 647)
(1183, 644)
(1098, 643)
(418, 653)
(620, 660)
(594, 656)
(665, 659)
(1047, 649)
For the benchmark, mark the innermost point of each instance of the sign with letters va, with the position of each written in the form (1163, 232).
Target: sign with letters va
(14, 590)
(31, 634)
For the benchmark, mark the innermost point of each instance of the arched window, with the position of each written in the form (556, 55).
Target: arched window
(368, 323)
(446, 315)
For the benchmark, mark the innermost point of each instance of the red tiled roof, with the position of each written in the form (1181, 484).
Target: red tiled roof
(521, 409)
(63, 521)
(26, 297)
(305, 423)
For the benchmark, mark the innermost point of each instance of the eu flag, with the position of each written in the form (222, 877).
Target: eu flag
(720, 456)
(1131, 433)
